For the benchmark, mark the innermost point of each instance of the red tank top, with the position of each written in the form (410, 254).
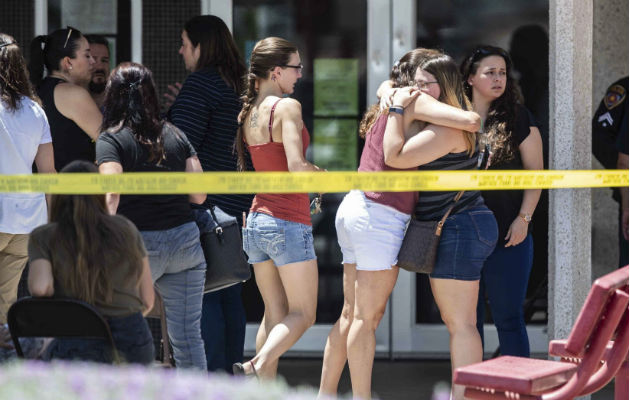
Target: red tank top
(271, 157)
(373, 159)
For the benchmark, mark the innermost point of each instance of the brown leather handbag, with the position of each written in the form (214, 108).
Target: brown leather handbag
(419, 247)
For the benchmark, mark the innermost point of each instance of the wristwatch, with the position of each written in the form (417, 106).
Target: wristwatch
(526, 217)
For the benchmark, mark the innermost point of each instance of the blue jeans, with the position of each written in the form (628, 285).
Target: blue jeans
(504, 279)
(178, 269)
(284, 242)
(222, 317)
(468, 238)
(131, 335)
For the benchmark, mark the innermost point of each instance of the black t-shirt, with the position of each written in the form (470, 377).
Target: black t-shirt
(149, 212)
(608, 123)
(506, 204)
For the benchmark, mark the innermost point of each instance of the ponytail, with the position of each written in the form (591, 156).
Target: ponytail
(59, 44)
(248, 99)
(36, 64)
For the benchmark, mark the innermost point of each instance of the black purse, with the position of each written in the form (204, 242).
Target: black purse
(419, 247)
(223, 249)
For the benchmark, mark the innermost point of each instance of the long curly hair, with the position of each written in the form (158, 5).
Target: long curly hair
(14, 81)
(402, 74)
(267, 54)
(131, 101)
(501, 119)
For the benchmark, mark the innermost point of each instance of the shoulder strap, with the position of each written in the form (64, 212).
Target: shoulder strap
(273, 109)
(438, 230)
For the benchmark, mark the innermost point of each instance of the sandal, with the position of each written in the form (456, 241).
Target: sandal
(238, 369)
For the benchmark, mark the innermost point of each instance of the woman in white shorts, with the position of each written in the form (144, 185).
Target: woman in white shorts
(370, 228)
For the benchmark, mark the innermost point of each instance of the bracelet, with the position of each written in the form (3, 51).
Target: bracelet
(397, 110)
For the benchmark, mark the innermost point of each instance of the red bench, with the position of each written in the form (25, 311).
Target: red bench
(597, 348)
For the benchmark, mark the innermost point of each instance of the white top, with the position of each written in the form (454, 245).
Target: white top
(21, 133)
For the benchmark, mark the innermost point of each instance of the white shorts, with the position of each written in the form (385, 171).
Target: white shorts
(369, 233)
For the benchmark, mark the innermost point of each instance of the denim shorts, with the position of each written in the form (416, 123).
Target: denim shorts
(369, 233)
(468, 238)
(284, 242)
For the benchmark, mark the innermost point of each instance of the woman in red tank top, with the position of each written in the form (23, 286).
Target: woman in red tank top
(278, 237)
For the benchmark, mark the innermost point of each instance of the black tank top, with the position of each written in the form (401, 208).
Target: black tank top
(432, 206)
(69, 141)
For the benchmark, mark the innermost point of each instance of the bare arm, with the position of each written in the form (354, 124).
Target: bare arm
(426, 108)
(193, 165)
(429, 144)
(622, 163)
(289, 112)
(147, 293)
(40, 278)
(75, 103)
(45, 161)
(532, 157)
(111, 199)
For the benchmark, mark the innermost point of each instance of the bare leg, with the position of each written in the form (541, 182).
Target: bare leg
(275, 300)
(457, 301)
(335, 355)
(300, 286)
(372, 289)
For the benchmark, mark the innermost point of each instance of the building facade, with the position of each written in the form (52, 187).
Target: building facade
(350, 46)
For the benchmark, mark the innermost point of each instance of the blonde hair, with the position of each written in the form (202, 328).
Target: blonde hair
(445, 71)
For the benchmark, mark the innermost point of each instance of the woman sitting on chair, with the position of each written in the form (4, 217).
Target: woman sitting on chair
(87, 254)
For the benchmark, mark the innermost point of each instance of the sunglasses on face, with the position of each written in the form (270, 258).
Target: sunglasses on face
(299, 67)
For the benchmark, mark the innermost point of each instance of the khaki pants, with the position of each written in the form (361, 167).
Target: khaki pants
(13, 257)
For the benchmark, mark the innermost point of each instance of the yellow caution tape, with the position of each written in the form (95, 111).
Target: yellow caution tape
(308, 182)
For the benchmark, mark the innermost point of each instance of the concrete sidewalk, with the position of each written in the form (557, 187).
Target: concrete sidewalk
(392, 380)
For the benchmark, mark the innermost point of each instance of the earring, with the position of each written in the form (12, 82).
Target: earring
(70, 67)
(273, 78)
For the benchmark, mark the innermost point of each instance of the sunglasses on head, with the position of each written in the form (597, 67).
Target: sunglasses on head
(67, 37)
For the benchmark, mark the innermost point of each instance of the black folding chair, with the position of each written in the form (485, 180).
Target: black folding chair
(58, 318)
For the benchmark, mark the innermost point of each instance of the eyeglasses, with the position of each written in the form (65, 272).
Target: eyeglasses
(67, 37)
(298, 67)
(424, 85)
